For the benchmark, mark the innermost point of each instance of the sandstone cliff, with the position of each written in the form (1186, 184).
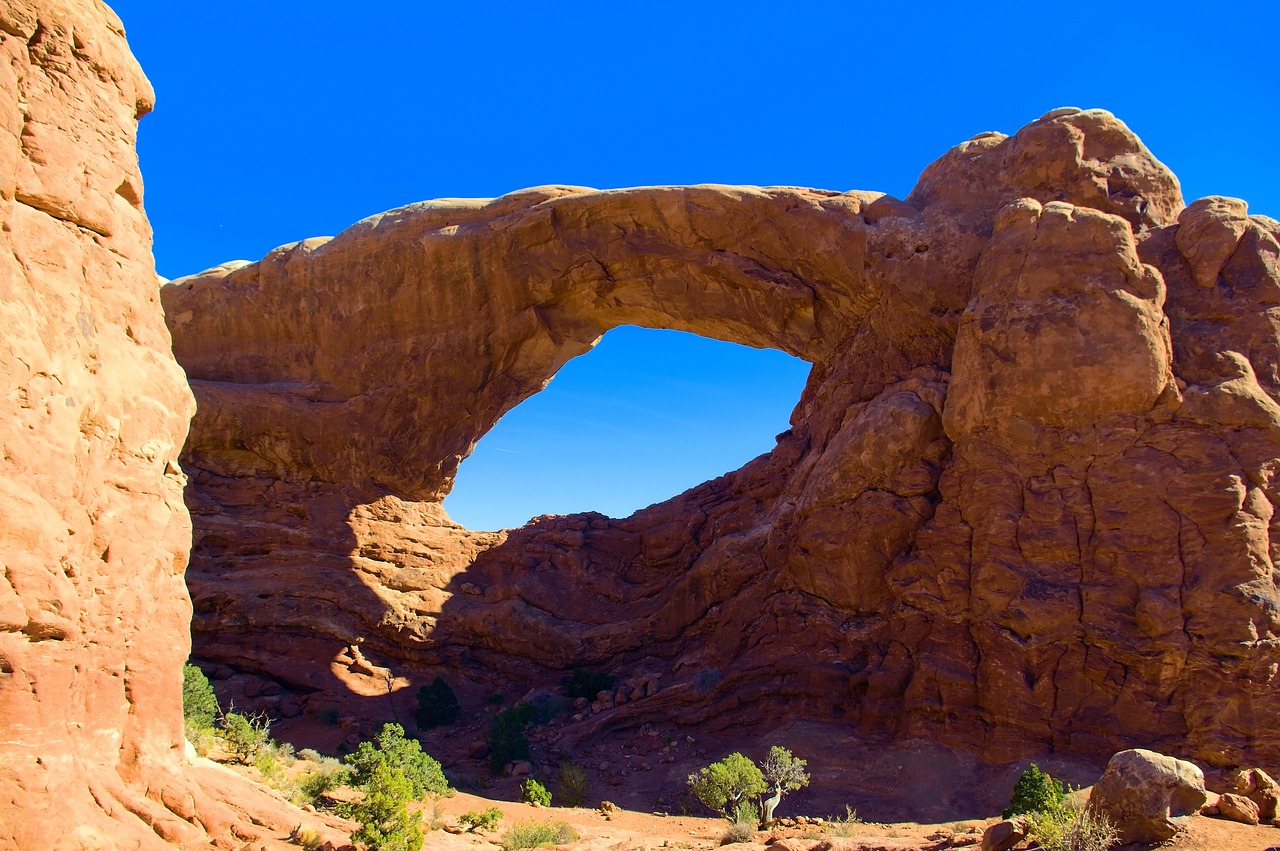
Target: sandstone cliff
(1025, 504)
(93, 531)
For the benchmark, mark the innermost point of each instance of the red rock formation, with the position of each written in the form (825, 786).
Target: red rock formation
(93, 532)
(1025, 503)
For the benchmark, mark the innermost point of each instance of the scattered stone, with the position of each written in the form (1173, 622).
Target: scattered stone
(1259, 787)
(1004, 834)
(1237, 808)
(1147, 795)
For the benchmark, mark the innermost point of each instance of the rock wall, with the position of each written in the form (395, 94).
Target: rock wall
(1025, 504)
(94, 535)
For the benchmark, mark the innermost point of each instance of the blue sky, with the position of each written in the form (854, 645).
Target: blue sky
(278, 120)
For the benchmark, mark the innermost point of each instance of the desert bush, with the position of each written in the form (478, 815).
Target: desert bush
(532, 834)
(199, 704)
(246, 735)
(396, 753)
(386, 824)
(1035, 792)
(572, 785)
(723, 785)
(706, 680)
(844, 826)
(1066, 825)
(507, 740)
(269, 765)
(309, 838)
(746, 812)
(587, 683)
(739, 831)
(533, 792)
(485, 820)
(325, 777)
(201, 738)
(437, 705)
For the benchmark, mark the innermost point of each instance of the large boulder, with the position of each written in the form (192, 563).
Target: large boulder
(1148, 795)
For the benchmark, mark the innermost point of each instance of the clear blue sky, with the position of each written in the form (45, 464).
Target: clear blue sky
(279, 120)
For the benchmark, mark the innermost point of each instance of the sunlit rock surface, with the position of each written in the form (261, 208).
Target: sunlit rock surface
(93, 531)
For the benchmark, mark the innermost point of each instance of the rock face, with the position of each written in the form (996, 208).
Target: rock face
(1025, 503)
(93, 531)
(1147, 795)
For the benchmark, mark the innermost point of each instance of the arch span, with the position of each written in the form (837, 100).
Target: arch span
(645, 415)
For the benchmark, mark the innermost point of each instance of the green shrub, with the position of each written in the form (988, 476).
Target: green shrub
(587, 683)
(572, 785)
(246, 735)
(437, 705)
(723, 785)
(486, 820)
(531, 834)
(533, 792)
(386, 824)
(321, 780)
(746, 812)
(393, 751)
(199, 704)
(507, 740)
(1035, 792)
(1067, 826)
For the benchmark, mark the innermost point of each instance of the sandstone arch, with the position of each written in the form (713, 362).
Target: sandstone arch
(1050, 568)
(1013, 511)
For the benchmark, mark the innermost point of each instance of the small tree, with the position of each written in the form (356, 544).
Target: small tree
(784, 773)
(385, 821)
(1035, 792)
(199, 703)
(533, 792)
(246, 735)
(723, 785)
(507, 739)
(393, 751)
(437, 705)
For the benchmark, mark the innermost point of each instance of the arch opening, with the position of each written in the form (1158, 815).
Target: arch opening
(642, 417)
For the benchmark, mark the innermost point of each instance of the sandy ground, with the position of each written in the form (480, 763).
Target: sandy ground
(627, 830)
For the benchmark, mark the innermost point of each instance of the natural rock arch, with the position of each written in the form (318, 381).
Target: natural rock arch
(976, 530)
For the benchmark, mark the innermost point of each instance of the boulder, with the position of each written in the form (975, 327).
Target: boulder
(1237, 808)
(1148, 795)
(1004, 834)
(1260, 788)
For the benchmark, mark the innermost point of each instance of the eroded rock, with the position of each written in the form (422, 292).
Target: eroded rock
(93, 531)
(1148, 795)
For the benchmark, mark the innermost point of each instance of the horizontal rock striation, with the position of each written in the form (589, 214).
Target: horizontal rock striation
(93, 531)
(1025, 503)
